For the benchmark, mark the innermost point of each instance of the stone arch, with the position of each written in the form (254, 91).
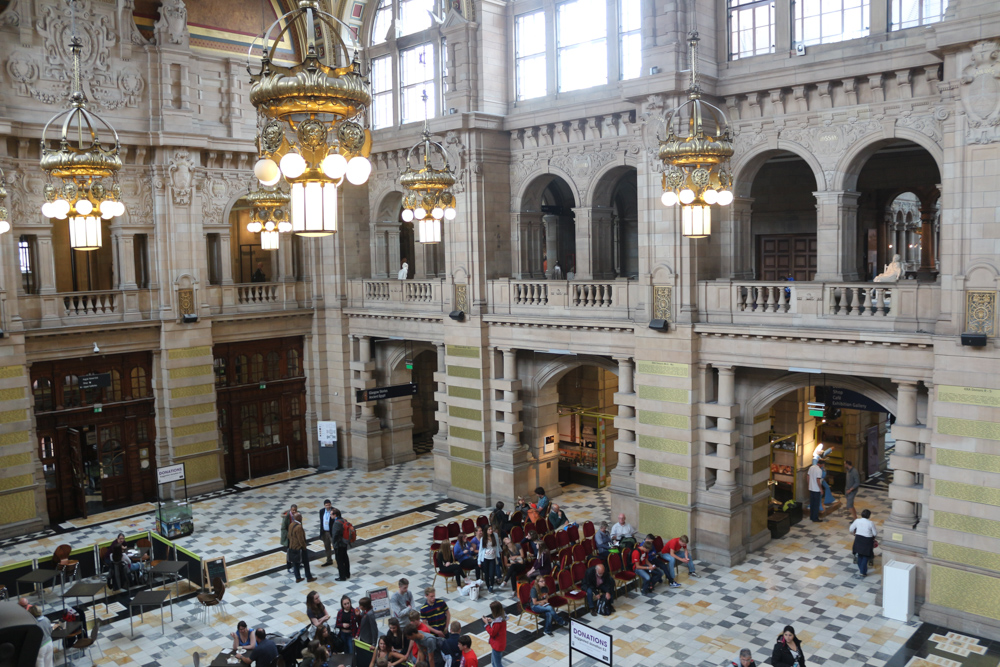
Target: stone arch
(389, 201)
(614, 222)
(534, 185)
(769, 394)
(553, 371)
(746, 166)
(396, 354)
(854, 159)
(982, 274)
(602, 185)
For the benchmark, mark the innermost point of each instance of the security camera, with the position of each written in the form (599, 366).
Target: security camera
(97, 350)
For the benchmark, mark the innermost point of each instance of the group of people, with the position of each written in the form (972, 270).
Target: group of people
(332, 530)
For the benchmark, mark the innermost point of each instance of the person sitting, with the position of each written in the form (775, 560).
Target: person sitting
(522, 506)
(649, 573)
(892, 272)
(243, 637)
(499, 520)
(660, 562)
(397, 642)
(745, 659)
(118, 556)
(677, 550)
(445, 563)
(383, 651)
(542, 504)
(596, 583)
(543, 564)
(557, 517)
(602, 540)
(314, 655)
(623, 534)
(540, 605)
(513, 562)
(264, 654)
(466, 556)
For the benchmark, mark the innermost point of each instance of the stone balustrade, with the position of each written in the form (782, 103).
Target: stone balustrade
(392, 294)
(86, 308)
(905, 306)
(257, 297)
(606, 299)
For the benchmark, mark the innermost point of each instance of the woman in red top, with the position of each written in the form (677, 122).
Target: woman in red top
(496, 628)
(347, 624)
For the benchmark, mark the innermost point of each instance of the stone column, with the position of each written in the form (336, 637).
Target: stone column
(46, 262)
(528, 246)
(441, 396)
(602, 245)
(226, 252)
(928, 211)
(906, 415)
(836, 232)
(625, 444)
(125, 271)
(725, 479)
(366, 431)
(584, 244)
(511, 415)
(742, 239)
(551, 223)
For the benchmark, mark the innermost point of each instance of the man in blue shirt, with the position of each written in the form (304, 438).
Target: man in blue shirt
(265, 654)
(326, 521)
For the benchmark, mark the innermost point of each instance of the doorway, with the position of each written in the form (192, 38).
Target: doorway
(425, 425)
(786, 256)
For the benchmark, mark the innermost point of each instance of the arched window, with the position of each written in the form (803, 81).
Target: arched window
(257, 367)
(294, 368)
(220, 371)
(140, 389)
(42, 388)
(242, 369)
(273, 366)
(249, 426)
(113, 392)
(71, 391)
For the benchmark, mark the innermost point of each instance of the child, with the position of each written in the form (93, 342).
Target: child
(419, 624)
(496, 628)
(468, 657)
(452, 653)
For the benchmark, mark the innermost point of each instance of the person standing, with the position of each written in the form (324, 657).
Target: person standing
(746, 659)
(435, 613)
(45, 652)
(788, 650)
(488, 559)
(401, 603)
(851, 485)
(815, 490)
(404, 270)
(340, 547)
(864, 533)
(368, 625)
(496, 628)
(258, 275)
(286, 519)
(298, 551)
(347, 624)
(326, 521)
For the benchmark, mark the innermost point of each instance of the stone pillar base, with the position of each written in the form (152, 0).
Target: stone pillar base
(366, 445)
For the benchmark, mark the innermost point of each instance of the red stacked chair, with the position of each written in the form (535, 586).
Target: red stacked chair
(555, 600)
(562, 539)
(579, 572)
(618, 571)
(594, 561)
(569, 590)
(579, 553)
(517, 518)
(658, 544)
(550, 542)
(453, 530)
(543, 526)
(574, 533)
(588, 530)
(589, 546)
(440, 535)
(524, 603)
(482, 522)
(516, 534)
(469, 527)
(528, 527)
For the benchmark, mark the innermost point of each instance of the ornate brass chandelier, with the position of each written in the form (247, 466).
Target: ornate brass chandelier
(4, 222)
(428, 199)
(695, 158)
(311, 120)
(268, 216)
(79, 166)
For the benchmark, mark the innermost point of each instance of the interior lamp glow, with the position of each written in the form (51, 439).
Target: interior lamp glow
(407, 215)
(429, 230)
(450, 213)
(269, 240)
(292, 165)
(358, 169)
(696, 221)
(85, 232)
(267, 172)
(335, 166)
(669, 198)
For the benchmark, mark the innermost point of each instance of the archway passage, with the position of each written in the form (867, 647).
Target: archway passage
(425, 425)
(586, 430)
(898, 210)
(614, 225)
(783, 219)
(546, 234)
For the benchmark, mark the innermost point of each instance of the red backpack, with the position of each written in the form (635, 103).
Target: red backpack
(349, 534)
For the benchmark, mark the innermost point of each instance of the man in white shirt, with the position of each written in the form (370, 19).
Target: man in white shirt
(622, 533)
(815, 490)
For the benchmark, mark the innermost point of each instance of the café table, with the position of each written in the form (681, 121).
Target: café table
(86, 589)
(64, 631)
(37, 578)
(150, 599)
(222, 660)
(168, 567)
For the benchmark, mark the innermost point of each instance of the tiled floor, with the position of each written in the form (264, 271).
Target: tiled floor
(804, 579)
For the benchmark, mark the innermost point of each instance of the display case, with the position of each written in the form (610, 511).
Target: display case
(174, 519)
(784, 466)
(586, 446)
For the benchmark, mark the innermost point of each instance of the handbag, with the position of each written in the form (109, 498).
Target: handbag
(295, 556)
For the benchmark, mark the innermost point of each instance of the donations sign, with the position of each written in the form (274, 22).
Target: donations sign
(592, 643)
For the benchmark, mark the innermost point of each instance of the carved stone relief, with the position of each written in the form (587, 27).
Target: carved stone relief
(217, 190)
(171, 27)
(661, 304)
(181, 176)
(981, 93)
(981, 312)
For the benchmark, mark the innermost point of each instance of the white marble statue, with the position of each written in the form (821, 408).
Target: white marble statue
(892, 273)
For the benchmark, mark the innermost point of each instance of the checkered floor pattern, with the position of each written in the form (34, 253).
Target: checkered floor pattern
(803, 579)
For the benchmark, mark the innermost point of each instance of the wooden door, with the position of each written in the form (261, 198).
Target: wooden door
(77, 501)
(115, 485)
(782, 256)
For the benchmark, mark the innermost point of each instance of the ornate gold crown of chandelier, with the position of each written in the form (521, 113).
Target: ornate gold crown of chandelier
(695, 158)
(268, 216)
(428, 198)
(81, 164)
(312, 113)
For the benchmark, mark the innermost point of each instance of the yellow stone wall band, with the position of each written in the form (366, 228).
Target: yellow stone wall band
(467, 477)
(194, 390)
(190, 371)
(761, 440)
(758, 487)
(191, 410)
(968, 428)
(11, 416)
(465, 433)
(190, 352)
(463, 372)
(468, 351)
(665, 495)
(682, 422)
(465, 392)
(12, 394)
(667, 394)
(16, 482)
(663, 469)
(660, 520)
(14, 438)
(970, 492)
(967, 524)
(969, 396)
(464, 413)
(663, 444)
(969, 592)
(194, 429)
(11, 371)
(196, 448)
(663, 368)
(17, 507)
(762, 463)
(12, 460)
(758, 516)
(965, 555)
(202, 469)
(467, 454)
(954, 458)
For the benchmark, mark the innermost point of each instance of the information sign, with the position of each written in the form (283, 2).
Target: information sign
(379, 393)
(592, 643)
(95, 380)
(167, 474)
(327, 433)
(380, 601)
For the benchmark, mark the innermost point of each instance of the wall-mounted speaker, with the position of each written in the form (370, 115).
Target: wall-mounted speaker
(974, 339)
(659, 325)
(457, 315)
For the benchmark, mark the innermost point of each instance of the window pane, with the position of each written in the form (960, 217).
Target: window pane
(913, 13)
(631, 56)
(630, 17)
(529, 55)
(582, 55)
(382, 92)
(416, 67)
(827, 21)
(751, 26)
(383, 19)
(414, 15)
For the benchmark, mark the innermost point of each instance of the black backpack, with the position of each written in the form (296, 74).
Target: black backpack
(604, 607)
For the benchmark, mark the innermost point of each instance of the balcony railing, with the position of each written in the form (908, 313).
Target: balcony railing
(903, 306)
(603, 299)
(397, 294)
(257, 297)
(80, 308)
